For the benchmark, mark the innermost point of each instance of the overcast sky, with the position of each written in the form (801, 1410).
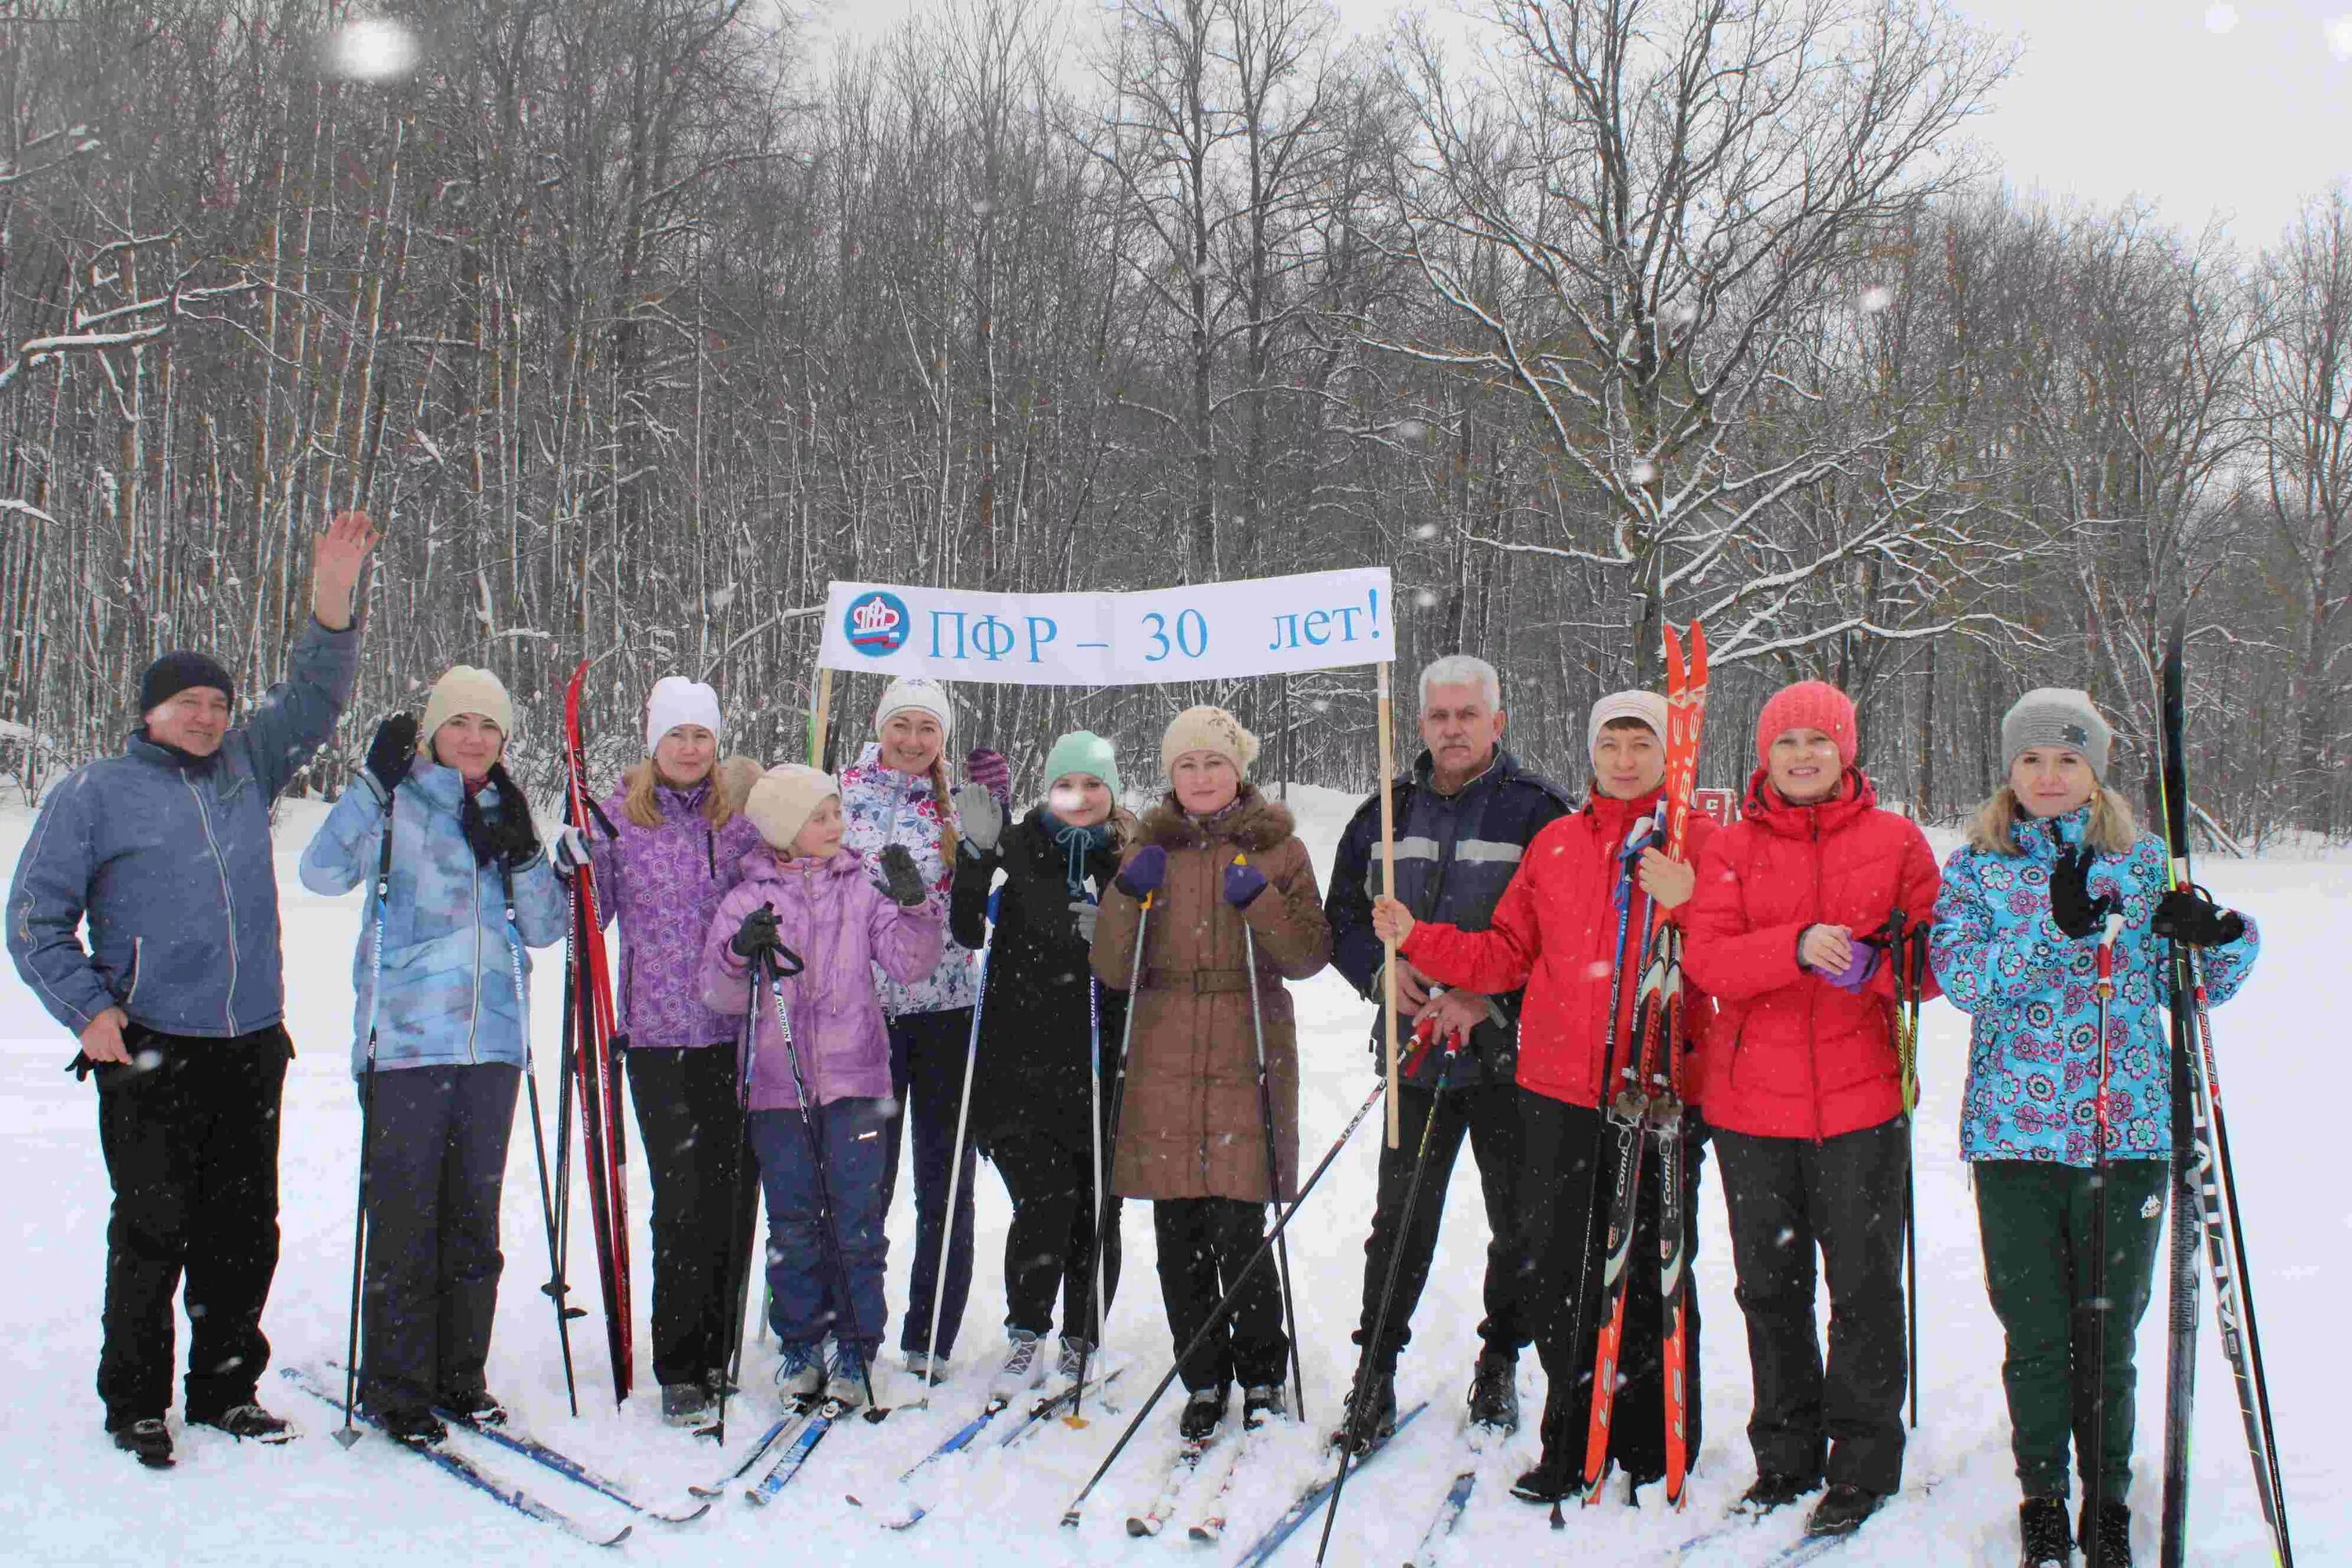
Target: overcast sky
(2239, 110)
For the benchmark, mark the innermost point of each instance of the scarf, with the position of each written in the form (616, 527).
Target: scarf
(1077, 843)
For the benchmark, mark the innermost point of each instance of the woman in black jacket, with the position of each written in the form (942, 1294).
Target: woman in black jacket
(1042, 1018)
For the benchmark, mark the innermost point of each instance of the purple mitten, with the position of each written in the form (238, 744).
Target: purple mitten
(1243, 883)
(990, 771)
(1858, 969)
(1143, 874)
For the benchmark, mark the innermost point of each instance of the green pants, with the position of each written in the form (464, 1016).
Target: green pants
(2035, 1220)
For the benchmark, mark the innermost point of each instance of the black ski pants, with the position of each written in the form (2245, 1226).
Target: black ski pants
(1203, 1244)
(1049, 1249)
(189, 1129)
(926, 1060)
(1488, 1115)
(691, 1128)
(1567, 1164)
(436, 1167)
(1841, 1421)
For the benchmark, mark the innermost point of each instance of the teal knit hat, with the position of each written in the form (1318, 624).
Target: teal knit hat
(1083, 752)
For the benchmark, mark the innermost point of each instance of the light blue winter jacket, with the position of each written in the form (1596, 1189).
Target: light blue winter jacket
(448, 957)
(2034, 1060)
(168, 859)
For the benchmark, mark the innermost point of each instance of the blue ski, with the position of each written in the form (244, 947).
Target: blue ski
(789, 1463)
(1449, 1514)
(464, 1470)
(1310, 1501)
(787, 1422)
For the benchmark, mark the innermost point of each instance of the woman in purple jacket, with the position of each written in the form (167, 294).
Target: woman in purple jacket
(681, 846)
(803, 893)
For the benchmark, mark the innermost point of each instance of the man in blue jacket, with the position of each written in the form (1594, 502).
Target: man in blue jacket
(177, 999)
(1463, 820)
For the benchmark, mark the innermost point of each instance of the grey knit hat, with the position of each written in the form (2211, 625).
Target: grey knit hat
(2056, 716)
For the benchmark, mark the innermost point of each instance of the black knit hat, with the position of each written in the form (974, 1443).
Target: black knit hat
(175, 672)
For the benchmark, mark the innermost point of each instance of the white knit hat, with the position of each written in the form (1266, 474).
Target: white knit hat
(782, 800)
(464, 689)
(677, 700)
(920, 694)
(1647, 706)
(1207, 729)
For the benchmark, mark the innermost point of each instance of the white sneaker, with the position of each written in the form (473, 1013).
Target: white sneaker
(800, 1378)
(1075, 1353)
(1022, 1370)
(920, 1366)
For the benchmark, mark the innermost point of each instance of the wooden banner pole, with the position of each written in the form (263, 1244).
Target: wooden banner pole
(1388, 886)
(820, 710)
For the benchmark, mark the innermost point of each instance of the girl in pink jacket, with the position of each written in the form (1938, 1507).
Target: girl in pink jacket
(821, 913)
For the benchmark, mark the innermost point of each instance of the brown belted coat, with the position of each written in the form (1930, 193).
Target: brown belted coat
(1189, 1126)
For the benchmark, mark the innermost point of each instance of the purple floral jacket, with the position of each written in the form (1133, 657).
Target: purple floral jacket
(662, 885)
(831, 914)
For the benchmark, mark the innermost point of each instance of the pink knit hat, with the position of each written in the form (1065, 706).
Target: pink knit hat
(1808, 705)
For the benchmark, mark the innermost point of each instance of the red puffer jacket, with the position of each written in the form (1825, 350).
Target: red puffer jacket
(1792, 1055)
(1555, 932)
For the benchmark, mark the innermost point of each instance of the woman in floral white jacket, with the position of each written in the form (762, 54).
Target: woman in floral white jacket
(897, 792)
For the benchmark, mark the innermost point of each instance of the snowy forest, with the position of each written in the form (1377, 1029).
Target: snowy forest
(638, 322)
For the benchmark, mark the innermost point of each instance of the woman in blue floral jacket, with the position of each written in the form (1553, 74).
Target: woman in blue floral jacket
(2015, 944)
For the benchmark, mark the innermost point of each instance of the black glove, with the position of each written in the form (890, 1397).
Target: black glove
(2072, 908)
(392, 751)
(2192, 920)
(510, 836)
(757, 934)
(901, 881)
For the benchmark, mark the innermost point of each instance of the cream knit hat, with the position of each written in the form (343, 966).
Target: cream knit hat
(1207, 729)
(783, 801)
(464, 689)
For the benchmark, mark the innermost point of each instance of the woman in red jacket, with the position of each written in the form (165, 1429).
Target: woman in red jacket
(1805, 1098)
(1555, 932)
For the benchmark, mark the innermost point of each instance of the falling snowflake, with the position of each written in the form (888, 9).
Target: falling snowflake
(1424, 598)
(1426, 530)
(2222, 19)
(1876, 299)
(1320, 705)
(1644, 471)
(2340, 38)
(369, 48)
(1412, 430)
(723, 597)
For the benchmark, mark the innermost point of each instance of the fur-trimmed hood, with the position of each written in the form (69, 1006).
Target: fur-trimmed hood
(1253, 824)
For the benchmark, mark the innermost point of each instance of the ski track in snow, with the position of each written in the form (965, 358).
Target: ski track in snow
(70, 1498)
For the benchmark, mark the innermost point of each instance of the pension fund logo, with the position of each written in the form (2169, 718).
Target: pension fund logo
(878, 624)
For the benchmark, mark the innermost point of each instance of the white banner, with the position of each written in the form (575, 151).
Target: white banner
(1265, 626)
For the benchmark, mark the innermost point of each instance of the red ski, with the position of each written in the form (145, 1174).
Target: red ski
(595, 1071)
(1651, 1101)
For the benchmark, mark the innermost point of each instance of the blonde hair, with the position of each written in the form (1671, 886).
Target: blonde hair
(731, 780)
(2112, 830)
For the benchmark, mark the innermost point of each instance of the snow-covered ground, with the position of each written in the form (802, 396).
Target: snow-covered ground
(69, 1499)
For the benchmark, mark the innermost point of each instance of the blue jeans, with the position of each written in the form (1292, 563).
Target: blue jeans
(805, 1281)
(927, 1058)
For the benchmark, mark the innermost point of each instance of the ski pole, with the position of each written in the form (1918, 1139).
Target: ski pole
(1388, 1295)
(1896, 938)
(931, 1357)
(555, 1285)
(1118, 1106)
(348, 1434)
(828, 1236)
(1217, 1315)
(1077, 1418)
(2095, 1460)
(1273, 1168)
(738, 1258)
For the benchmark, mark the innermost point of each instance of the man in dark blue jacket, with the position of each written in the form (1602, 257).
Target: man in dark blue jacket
(177, 999)
(1463, 820)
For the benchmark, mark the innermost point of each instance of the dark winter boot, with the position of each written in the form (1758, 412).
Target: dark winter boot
(474, 1407)
(1262, 1403)
(1370, 1416)
(147, 1440)
(2043, 1538)
(249, 1423)
(1843, 1511)
(2114, 1535)
(1774, 1489)
(1204, 1412)
(417, 1428)
(1555, 1478)
(1495, 1393)
(687, 1403)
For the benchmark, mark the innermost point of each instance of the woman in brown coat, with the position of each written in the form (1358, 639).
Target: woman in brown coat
(1215, 857)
